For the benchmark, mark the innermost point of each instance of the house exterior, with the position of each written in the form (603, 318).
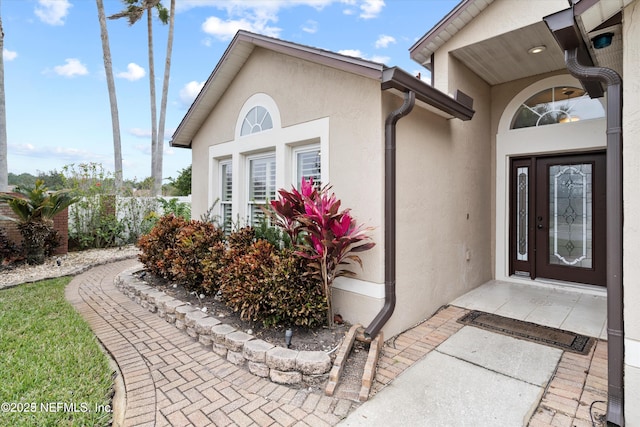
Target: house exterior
(509, 166)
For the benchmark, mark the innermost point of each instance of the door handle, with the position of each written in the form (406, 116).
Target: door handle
(540, 226)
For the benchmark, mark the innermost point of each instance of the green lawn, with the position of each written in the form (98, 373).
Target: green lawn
(52, 370)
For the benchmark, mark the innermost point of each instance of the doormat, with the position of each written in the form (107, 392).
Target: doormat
(564, 340)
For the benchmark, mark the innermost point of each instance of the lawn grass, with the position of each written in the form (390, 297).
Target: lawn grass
(52, 369)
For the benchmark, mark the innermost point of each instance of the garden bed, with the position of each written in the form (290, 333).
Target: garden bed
(319, 338)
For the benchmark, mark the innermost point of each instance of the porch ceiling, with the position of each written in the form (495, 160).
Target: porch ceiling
(505, 57)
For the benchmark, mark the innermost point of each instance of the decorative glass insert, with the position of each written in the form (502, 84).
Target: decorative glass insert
(262, 186)
(308, 166)
(570, 215)
(522, 223)
(257, 120)
(226, 194)
(557, 105)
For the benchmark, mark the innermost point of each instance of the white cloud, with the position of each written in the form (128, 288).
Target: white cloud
(55, 153)
(52, 12)
(9, 55)
(134, 72)
(384, 41)
(189, 92)
(140, 133)
(351, 52)
(380, 59)
(310, 26)
(371, 8)
(72, 68)
(225, 30)
(358, 54)
(146, 134)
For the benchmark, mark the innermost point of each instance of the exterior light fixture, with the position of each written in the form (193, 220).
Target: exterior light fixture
(602, 40)
(287, 337)
(537, 49)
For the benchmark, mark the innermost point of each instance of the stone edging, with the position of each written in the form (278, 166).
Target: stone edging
(281, 365)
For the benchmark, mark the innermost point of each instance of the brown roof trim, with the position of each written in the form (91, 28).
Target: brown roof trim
(208, 97)
(419, 52)
(243, 44)
(397, 78)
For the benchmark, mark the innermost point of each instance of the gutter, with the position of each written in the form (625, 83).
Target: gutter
(562, 25)
(414, 89)
(390, 215)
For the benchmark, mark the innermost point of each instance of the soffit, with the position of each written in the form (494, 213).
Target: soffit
(444, 30)
(505, 57)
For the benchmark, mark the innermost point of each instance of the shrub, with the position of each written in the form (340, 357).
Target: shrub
(213, 266)
(192, 245)
(35, 208)
(272, 287)
(9, 251)
(324, 234)
(153, 246)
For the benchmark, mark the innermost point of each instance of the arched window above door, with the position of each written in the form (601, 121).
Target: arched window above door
(561, 104)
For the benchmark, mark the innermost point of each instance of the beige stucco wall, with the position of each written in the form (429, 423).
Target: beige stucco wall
(443, 213)
(631, 197)
(304, 92)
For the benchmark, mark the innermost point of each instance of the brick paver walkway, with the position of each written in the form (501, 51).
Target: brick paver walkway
(170, 379)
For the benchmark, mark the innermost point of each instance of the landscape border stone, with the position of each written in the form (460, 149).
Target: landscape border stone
(281, 365)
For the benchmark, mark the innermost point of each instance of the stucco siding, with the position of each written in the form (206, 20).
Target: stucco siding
(306, 92)
(631, 197)
(443, 214)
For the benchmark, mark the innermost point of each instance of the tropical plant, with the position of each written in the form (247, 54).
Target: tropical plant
(113, 102)
(324, 234)
(133, 12)
(35, 208)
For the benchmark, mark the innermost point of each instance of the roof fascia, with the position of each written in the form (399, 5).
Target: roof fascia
(459, 107)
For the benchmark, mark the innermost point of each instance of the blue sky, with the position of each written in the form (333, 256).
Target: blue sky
(56, 93)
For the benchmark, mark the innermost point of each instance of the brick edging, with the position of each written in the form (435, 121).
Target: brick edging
(280, 365)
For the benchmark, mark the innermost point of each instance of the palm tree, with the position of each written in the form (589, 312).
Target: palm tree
(115, 120)
(163, 102)
(34, 209)
(133, 13)
(4, 167)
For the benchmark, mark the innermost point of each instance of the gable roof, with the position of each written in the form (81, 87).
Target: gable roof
(243, 44)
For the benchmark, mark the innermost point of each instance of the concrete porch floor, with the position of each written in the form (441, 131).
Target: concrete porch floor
(443, 373)
(575, 309)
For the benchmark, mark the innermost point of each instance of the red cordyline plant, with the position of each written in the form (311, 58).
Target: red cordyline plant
(321, 232)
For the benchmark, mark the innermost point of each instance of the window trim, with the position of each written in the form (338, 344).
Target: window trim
(249, 203)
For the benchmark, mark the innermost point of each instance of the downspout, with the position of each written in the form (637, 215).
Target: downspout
(615, 318)
(390, 215)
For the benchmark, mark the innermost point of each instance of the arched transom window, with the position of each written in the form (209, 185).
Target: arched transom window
(257, 120)
(557, 105)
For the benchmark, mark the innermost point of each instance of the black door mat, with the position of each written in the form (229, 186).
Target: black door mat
(564, 340)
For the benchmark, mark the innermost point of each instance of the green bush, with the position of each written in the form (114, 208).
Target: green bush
(153, 246)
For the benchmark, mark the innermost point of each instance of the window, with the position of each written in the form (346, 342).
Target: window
(307, 165)
(226, 194)
(257, 120)
(557, 105)
(262, 185)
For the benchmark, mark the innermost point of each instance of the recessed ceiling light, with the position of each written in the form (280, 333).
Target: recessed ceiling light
(537, 49)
